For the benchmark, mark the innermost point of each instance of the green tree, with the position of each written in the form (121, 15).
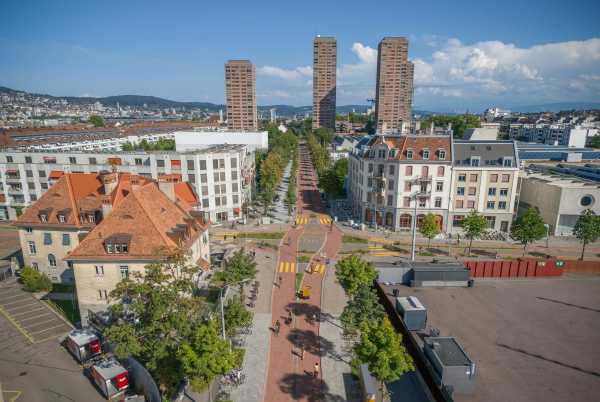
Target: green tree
(35, 281)
(236, 316)
(363, 307)
(528, 228)
(429, 228)
(97, 121)
(587, 229)
(332, 181)
(595, 141)
(324, 135)
(239, 268)
(353, 273)
(459, 122)
(473, 225)
(381, 348)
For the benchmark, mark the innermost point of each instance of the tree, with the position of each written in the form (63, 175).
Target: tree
(324, 135)
(162, 324)
(239, 268)
(587, 229)
(97, 121)
(332, 181)
(528, 228)
(473, 226)
(381, 348)
(362, 308)
(595, 141)
(429, 228)
(236, 316)
(353, 273)
(35, 281)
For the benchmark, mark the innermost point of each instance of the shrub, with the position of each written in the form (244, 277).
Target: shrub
(35, 281)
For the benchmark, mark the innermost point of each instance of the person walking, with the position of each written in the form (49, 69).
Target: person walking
(280, 280)
(277, 327)
(302, 353)
(316, 371)
(289, 319)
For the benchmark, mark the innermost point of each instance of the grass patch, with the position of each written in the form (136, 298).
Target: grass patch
(354, 239)
(264, 244)
(69, 309)
(299, 276)
(426, 254)
(261, 235)
(303, 259)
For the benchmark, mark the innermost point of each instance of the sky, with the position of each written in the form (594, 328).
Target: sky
(468, 55)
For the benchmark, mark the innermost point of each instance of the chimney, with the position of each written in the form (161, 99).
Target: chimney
(106, 206)
(432, 127)
(166, 184)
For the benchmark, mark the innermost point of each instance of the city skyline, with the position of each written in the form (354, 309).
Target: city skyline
(465, 57)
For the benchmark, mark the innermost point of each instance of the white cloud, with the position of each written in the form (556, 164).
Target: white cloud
(286, 74)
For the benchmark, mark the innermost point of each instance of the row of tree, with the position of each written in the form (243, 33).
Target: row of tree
(163, 144)
(290, 196)
(378, 344)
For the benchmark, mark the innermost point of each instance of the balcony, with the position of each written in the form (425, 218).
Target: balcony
(13, 177)
(423, 179)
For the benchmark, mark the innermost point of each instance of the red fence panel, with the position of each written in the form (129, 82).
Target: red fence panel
(520, 268)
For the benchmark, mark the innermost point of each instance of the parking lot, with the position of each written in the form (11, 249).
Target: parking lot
(531, 339)
(33, 318)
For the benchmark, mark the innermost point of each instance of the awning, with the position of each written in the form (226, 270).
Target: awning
(236, 211)
(56, 174)
(12, 171)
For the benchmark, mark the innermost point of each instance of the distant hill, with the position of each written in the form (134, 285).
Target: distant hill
(556, 107)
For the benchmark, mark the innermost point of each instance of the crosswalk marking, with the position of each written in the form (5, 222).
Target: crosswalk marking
(302, 220)
(319, 269)
(287, 266)
(325, 221)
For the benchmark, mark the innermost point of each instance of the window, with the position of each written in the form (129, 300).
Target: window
(9, 159)
(473, 178)
(32, 249)
(160, 163)
(407, 186)
(490, 222)
(459, 203)
(35, 266)
(475, 161)
(370, 168)
(72, 159)
(233, 162)
(47, 238)
(102, 294)
(234, 175)
(438, 202)
(99, 270)
(425, 154)
(93, 161)
(391, 169)
(28, 159)
(408, 171)
(439, 186)
(203, 165)
(138, 161)
(462, 177)
(44, 186)
(440, 171)
(192, 178)
(29, 229)
(460, 191)
(216, 176)
(503, 192)
(472, 190)
(409, 154)
(507, 162)
(491, 204)
(369, 182)
(222, 176)
(42, 173)
(205, 203)
(381, 154)
(203, 178)
(442, 154)
(61, 218)
(425, 171)
(66, 239)
(29, 173)
(494, 178)
(422, 202)
(390, 200)
(505, 178)
(124, 269)
(190, 165)
(52, 260)
(501, 204)
(91, 218)
(492, 191)
(471, 204)
(31, 185)
(390, 184)
(407, 202)
(236, 199)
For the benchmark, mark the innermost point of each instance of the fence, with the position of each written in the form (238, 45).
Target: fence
(588, 267)
(520, 268)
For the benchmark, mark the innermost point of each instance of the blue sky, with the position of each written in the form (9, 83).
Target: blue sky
(467, 54)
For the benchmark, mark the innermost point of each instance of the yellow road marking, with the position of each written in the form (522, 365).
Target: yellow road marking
(287, 267)
(322, 270)
(16, 325)
(293, 267)
(281, 264)
(14, 398)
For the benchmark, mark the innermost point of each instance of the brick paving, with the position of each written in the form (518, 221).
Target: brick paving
(290, 375)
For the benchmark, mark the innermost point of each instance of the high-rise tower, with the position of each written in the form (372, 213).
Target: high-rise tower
(324, 81)
(240, 88)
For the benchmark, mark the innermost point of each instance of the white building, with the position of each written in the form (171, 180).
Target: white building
(554, 134)
(192, 140)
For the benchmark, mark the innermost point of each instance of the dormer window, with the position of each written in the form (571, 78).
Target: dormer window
(392, 153)
(91, 218)
(381, 154)
(117, 244)
(409, 154)
(475, 161)
(507, 162)
(61, 218)
(44, 218)
(442, 154)
(425, 154)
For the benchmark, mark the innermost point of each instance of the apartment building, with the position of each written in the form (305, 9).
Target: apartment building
(394, 89)
(148, 225)
(240, 89)
(324, 82)
(114, 144)
(392, 179)
(552, 134)
(484, 179)
(221, 175)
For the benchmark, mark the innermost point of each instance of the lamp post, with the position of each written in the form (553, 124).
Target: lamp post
(414, 228)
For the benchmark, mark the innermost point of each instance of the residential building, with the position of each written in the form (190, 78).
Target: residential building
(394, 90)
(544, 152)
(221, 175)
(552, 134)
(559, 195)
(484, 179)
(481, 133)
(393, 178)
(186, 141)
(324, 82)
(147, 226)
(240, 88)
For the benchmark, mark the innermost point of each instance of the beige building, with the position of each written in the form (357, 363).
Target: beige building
(147, 226)
(394, 90)
(324, 82)
(240, 88)
(484, 179)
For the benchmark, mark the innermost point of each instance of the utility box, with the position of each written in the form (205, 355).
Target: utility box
(83, 344)
(413, 313)
(111, 378)
(369, 385)
(452, 366)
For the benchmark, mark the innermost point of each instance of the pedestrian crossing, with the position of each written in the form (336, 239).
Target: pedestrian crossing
(302, 219)
(325, 220)
(379, 251)
(319, 269)
(287, 266)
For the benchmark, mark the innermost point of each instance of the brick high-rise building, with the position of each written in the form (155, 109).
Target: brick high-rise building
(394, 90)
(324, 81)
(240, 86)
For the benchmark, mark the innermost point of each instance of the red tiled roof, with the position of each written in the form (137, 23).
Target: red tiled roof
(203, 264)
(417, 144)
(56, 174)
(185, 193)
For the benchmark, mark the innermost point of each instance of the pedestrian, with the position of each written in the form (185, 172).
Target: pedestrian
(289, 317)
(302, 353)
(314, 317)
(280, 280)
(277, 327)
(316, 373)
